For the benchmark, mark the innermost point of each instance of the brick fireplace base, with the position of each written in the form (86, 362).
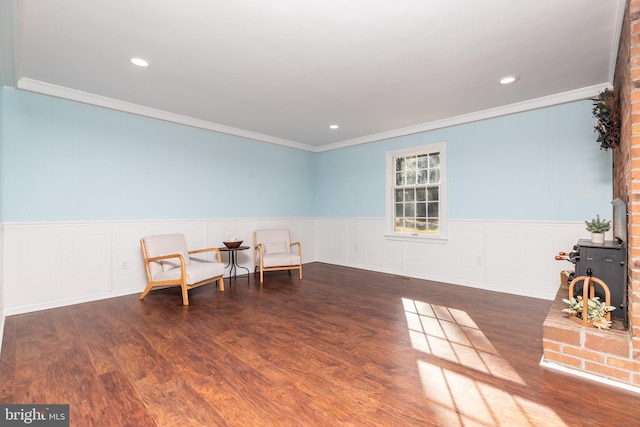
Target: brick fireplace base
(607, 354)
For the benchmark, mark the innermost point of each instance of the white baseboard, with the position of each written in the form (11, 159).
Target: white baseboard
(550, 365)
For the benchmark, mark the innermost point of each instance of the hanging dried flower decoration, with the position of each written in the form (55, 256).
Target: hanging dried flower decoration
(606, 109)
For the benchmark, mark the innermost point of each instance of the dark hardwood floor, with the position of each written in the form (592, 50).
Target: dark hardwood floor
(341, 347)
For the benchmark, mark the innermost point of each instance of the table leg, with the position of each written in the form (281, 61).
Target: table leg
(233, 264)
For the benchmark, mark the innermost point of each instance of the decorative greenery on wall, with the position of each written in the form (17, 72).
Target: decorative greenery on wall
(606, 109)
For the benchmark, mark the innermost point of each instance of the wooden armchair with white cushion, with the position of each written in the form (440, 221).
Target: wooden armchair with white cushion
(167, 262)
(273, 250)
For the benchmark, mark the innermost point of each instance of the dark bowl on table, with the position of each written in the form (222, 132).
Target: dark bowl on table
(233, 245)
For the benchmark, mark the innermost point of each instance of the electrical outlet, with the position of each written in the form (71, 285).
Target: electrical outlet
(355, 248)
(478, 260)
(125, 264)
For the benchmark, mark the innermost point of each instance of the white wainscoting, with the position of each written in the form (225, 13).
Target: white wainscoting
(50, 265)
(513, 257)
(46, 265)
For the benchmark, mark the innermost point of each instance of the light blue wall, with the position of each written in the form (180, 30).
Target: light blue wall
(66, 161)
(537, 165)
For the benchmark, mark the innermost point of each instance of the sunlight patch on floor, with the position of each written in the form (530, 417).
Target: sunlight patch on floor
(464, 399)
(452, 335)
(461, 400)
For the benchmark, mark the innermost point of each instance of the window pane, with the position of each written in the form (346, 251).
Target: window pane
(433, 194)
(432, 210)
(434, 160)
(409, 226)
(399, 178)
(434, 176)
(410, 163)
(399, 225)
(399, 195)
(409, 195)
(421, 225)
(411, 178)
(423, 161)
(422, 176)
(421, 209)
(399, 211)
(400, 164)
(433, 226)
(421, 194)
(409, 210)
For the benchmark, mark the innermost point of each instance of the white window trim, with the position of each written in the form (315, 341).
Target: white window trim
(442, 236)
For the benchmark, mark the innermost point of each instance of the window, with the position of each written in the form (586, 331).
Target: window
(416, 192)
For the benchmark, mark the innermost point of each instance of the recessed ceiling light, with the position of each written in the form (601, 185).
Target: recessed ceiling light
(139, 62)
(507, 80)
(333, 126)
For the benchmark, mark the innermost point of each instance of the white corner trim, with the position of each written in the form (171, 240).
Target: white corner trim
(44, 88)
(8, 37)
(588, 376)
(615, 43)
(518, 107)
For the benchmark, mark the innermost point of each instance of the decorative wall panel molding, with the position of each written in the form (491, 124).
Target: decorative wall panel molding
(48, 265)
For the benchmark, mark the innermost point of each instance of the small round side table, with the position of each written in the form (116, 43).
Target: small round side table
(233, 260)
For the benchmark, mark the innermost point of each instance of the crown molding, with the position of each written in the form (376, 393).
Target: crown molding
(519, 107)
(49, 89)
(114, 104)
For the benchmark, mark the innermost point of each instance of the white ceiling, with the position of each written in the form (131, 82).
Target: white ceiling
(282, 71)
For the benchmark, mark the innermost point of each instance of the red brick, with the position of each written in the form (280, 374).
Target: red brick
(616, 346)
(561, 334)
(607, 371)
(563, 359)
(635, 94)
(552, 346)
(626, 364)
(583, 354)
(634, 186)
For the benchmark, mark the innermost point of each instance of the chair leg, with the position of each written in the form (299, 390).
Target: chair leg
(221, 284)
(300, 270)
(185, 295)
(146, 291)
(261, 276)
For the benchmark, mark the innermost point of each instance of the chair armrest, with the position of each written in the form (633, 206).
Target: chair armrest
(199, 251)
(259, 249)
(299, 248)
(183, 271)
(161, 257)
